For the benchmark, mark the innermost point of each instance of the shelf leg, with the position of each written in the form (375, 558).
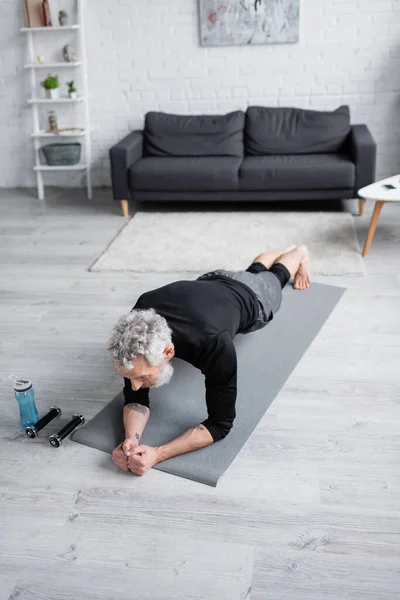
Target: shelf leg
(40, 186)
(89, 183)
(82, 52)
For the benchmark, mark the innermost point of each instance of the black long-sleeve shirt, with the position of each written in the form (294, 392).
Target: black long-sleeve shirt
(204, 316)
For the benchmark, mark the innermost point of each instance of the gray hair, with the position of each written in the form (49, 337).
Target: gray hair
(139, 333)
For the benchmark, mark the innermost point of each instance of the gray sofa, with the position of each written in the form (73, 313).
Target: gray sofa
(265, 154)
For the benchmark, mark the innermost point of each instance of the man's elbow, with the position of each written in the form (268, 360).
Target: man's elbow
(218, 429)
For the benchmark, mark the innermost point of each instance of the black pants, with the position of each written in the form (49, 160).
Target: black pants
(279, 270)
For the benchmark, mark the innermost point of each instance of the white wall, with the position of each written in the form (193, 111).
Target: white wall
(145, 55)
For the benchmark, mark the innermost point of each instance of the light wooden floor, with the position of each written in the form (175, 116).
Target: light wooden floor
(310, 509)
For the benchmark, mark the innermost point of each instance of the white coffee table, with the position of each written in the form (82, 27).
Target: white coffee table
(377, 191)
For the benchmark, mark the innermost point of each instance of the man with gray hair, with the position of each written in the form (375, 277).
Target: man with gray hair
(195, 321)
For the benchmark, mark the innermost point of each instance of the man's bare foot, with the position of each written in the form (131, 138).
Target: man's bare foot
(302, 278)
(288, 249)
(269, 258)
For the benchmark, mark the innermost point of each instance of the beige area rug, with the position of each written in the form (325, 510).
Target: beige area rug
(155, 242)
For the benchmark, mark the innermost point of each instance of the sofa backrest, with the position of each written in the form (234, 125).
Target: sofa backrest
(202, 135)
(295, 130)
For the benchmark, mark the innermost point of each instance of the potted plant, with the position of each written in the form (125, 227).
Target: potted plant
(63, 17)
(72, 93)
(51, 85)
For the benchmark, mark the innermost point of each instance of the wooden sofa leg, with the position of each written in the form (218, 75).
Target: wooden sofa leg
(125, 208)
(361, 206)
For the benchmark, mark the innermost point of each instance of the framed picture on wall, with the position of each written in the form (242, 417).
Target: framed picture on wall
(227, 23)
(46, 13)
(34, 11)
(27, 24)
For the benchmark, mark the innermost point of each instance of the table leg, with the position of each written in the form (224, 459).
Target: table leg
(372, 225)
(361, 206)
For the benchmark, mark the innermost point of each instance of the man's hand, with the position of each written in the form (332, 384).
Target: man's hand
(129, 445)
(142, 459)
(122, 452)
(139, 459)
(120, 459)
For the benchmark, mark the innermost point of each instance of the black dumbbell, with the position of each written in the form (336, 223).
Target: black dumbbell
(57, 438)
(34, 429)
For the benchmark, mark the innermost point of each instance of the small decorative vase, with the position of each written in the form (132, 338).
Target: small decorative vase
(53, 94)
(63, 21)
(53, 124)
(69, 54)
(73, 95)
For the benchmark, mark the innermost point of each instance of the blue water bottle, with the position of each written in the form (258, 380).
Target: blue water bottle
(25, 396)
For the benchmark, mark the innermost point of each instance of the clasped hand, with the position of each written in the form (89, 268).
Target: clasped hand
(137, 459)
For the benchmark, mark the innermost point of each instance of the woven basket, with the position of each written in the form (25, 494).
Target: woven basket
(62, 154)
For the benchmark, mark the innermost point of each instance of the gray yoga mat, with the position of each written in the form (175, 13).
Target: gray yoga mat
(266, 358)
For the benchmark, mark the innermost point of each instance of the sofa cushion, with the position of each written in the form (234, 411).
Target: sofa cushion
(185, 173)
(297, 172)
(203, 135)
(294, 130)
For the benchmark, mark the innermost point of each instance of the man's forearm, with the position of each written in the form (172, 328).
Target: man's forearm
(192, 439)
(135, 420)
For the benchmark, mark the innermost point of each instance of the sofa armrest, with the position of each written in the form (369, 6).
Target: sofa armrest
(362, 149)
(122, 156)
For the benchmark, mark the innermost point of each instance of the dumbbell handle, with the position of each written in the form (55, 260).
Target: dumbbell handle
(56, 438)
(52, 414)
(69, 427)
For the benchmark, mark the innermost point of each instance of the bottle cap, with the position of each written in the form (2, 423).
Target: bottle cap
(20, 385)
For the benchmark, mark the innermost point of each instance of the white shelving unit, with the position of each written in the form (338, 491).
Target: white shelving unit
(54, 65)
(44, 134)
(37, 133)
(55, 100)
(76, 167)
(55, 28)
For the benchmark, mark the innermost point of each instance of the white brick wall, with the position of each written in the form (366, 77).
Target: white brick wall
(145, 55)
